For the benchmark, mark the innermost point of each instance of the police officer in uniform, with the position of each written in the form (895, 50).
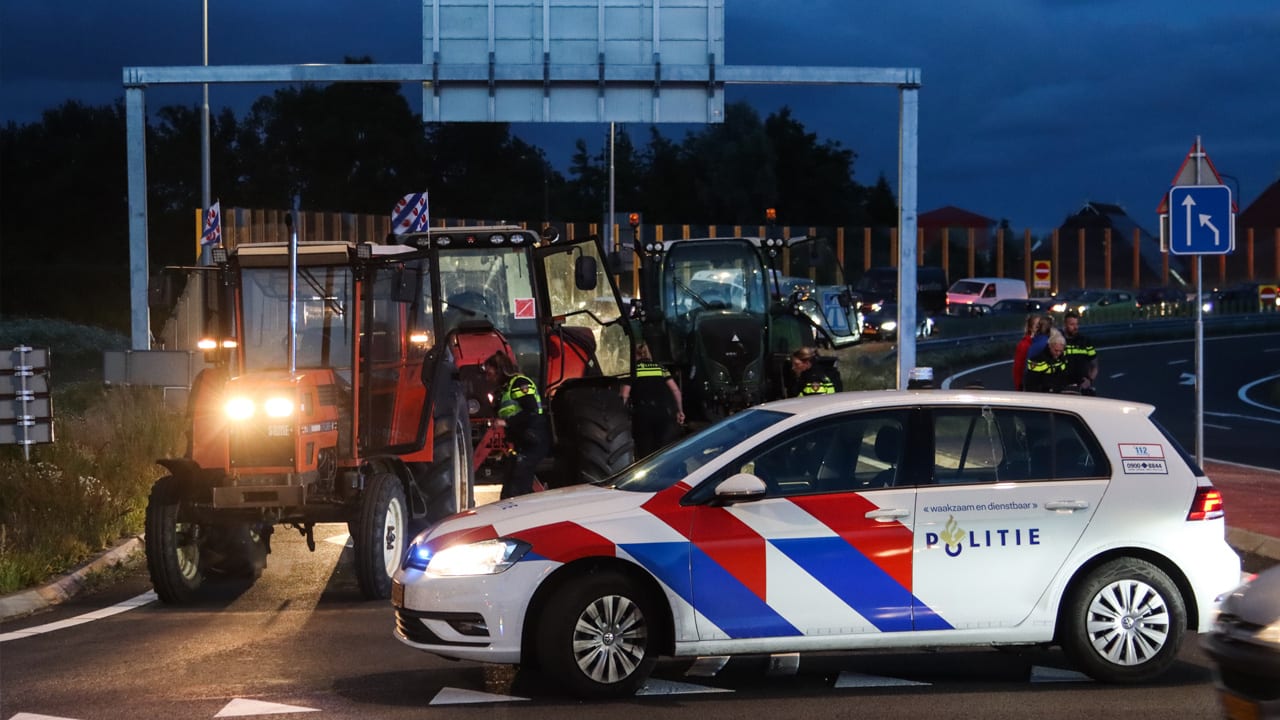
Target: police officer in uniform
(1047, 370)
(810, 380)
(649, 393)
(520, 412)
(1082, 358)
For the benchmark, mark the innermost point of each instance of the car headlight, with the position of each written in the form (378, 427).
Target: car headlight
(889, 325)
(1059, 307)
(488, 557)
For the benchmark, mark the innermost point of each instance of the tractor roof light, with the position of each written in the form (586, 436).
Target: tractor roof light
(218, 254)
(207, 343)
(364, 250)
(771, 215)
(634, 219)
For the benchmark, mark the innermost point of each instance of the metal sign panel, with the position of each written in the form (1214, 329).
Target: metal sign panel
(28, 435)
(37, 408)
(34, 358)
(573, 60)
(13, 384)
(1200, 220)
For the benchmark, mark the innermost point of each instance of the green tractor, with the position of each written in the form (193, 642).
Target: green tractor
(725, 313)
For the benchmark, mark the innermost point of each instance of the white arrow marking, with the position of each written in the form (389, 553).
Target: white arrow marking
(1048, 674)
(131, 604)
(671, 687)
(458, 696)
(859, 680)
(240, 707)
(37, 716)
(1188, 203)
(343, 539)
(1187, 379)
(1207, 221)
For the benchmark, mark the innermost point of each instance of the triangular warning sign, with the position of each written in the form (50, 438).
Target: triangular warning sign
(1186, 175)
(239, 707)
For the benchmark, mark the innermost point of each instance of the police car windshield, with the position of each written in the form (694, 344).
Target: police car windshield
(668, 467)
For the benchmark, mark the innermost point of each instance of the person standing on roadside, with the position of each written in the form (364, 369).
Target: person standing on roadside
(1082, 358)
(520, 412)
(1047, 370)
(810, 379)
(1020, 352)
(650, 393)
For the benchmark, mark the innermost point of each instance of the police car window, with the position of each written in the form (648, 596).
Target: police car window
(849, 453)
(987, 445)
(664, 469)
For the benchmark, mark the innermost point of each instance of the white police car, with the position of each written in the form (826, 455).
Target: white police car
(841, 522)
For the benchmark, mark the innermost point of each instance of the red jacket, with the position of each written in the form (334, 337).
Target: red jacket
(1020, 360)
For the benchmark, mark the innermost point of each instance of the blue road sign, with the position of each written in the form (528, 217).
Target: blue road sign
(1200, 220)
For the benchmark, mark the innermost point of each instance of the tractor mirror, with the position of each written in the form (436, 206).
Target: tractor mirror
(584, 272)
(406, 283)
(615, 263)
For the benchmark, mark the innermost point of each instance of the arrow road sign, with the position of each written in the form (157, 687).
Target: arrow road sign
(1200, 220)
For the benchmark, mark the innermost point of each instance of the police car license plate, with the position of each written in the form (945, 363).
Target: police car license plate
(1235, 707)
(397, 593)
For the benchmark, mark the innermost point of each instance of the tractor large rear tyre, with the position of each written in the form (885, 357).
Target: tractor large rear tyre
(449, 485)
(173, 545)
(594, 434)
(381, 536)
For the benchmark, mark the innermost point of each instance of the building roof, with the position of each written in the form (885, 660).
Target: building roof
(950, 216)
(1264, 212)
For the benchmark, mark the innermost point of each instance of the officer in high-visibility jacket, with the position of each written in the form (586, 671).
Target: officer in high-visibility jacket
(1047, 370)
(810, 379)
(652, 394)
(520, 411)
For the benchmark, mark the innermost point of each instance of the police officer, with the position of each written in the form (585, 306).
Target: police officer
(1047, 370)
(648, 392)
(520, 412)
(810, 380)
(1082, 358)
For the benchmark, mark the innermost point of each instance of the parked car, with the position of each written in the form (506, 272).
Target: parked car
(1010, 306)
(879, 285)
(1162, 301)
(1238, 298)
(1092, 301)
(1245, 648)
(882, 323)
(885, 519)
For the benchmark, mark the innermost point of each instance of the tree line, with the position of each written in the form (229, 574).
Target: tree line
(357, 147)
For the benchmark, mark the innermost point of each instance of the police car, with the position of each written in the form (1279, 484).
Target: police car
(892, 519)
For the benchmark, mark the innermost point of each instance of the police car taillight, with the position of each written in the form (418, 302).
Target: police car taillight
(1207, 504)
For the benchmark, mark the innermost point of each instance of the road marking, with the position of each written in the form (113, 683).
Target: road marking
(1271, 350)
(130, 604)
(1243, 393)
(458, 696)
(1187, 379)
(1217, 427)
(240, 707)
(1117, 375)
(1179, 362)
(671, 687)
(859, 680)
(1273, 421)
(1050, 674)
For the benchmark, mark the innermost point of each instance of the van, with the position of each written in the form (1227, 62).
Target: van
(879, 285)
(983, 291)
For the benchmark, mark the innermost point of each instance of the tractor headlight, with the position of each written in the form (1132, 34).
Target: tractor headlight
(239, 408)
(488, 557)
(278, 407)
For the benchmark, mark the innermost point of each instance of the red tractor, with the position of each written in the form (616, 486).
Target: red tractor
(345, 387)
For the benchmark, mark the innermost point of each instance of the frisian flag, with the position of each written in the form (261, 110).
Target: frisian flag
(212, 234)
(411, 214)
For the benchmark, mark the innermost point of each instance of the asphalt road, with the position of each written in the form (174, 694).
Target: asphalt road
(301, 637)
(1240, 423)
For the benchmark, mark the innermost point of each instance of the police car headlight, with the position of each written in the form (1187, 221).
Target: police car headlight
(488, 557)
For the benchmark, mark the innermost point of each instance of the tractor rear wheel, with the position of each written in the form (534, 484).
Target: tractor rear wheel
(449, 487)
(173, 545)
(593, 434)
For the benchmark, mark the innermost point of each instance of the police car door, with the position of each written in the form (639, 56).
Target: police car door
(827, 551)
(1013, 491)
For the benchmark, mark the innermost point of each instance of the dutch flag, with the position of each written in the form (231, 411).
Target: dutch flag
(411, 214)
(212, 225)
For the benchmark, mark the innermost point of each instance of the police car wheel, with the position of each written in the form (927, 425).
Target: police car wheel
(1124, 622)
(598, 638)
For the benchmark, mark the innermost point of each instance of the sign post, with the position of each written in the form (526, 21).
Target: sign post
(26, 411)
(1202, 221)
(1042, 275)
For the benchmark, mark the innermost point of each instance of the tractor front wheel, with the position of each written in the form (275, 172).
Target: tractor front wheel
(380, 536)
(173, 545)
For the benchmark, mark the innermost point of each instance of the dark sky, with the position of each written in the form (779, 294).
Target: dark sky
(1028, 108)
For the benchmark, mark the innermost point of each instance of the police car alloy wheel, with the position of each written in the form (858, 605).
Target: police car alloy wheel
(598, 636)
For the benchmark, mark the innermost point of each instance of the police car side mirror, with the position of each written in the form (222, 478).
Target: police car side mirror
(742, 487)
